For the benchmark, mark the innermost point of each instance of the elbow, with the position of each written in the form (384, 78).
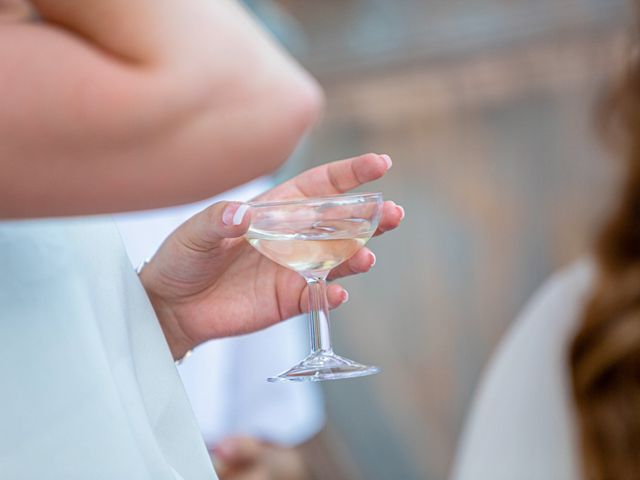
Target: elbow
(298, 109)
(308, 105)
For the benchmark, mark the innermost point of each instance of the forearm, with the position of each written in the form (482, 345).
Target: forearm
(189, 34)
(92, 124)
(140, 31)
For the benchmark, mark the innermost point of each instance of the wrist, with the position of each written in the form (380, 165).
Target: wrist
(180, 344)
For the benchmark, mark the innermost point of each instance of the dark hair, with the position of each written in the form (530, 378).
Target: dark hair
(604, 357)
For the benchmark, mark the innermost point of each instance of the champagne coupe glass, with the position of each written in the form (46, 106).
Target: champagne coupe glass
(311, 237)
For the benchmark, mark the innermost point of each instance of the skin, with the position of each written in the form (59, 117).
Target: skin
(115, 105)
(146, 109)
(207, 282)
(152, 99)
(247, 458)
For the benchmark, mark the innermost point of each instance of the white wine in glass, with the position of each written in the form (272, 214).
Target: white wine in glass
(311, 237)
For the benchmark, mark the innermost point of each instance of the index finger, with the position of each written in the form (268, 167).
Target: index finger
(343, 175)
(333, 178)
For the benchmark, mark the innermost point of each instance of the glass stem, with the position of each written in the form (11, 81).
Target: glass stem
(319, 333)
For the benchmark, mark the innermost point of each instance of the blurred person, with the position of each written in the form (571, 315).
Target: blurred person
(247, 423)
(561, 396)
(112, 106)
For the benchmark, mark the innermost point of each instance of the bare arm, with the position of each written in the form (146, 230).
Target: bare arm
(117, 105)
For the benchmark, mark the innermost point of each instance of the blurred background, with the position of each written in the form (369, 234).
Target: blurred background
(486, 107)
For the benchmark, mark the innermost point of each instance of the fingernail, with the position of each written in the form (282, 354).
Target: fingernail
(229, 212)
(387, 160)
(345, 296)
(401, 211)
(239, 216)
(225, 450)
(234, 213)
(372, 256)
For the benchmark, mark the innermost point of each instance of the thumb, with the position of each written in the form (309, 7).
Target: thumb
(215, 223)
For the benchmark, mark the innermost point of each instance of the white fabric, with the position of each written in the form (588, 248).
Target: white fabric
(89, 389)
(226, 378)
(521, 423)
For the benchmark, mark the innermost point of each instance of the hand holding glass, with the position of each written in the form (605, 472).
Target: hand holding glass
(312, 237)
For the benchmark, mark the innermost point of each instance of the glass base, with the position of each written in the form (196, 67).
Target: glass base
(325, 365)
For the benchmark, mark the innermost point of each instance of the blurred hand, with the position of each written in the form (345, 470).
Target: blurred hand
(206, 281)
(246, 458)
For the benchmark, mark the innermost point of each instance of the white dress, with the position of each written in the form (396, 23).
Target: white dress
(521, 424)
(89, 388)
(225, 379)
